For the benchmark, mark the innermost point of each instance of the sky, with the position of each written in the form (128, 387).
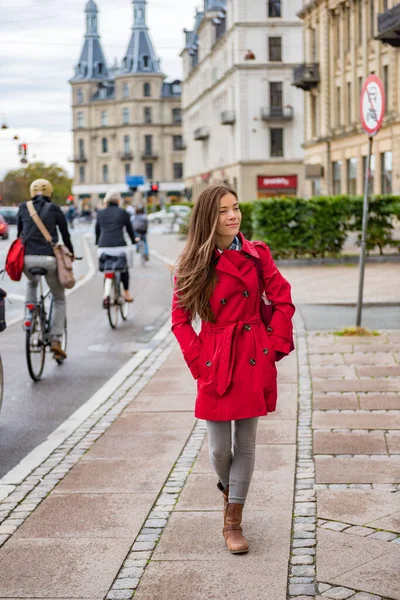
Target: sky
(40, 43)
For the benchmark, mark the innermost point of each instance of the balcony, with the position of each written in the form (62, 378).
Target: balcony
(81, 158)
(149, 155)
(389, 26)
(306, 76)
(125, 155)
(277, 113)
(228, 117)
(202, 133)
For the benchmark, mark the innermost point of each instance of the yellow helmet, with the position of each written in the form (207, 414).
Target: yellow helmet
(41, 187)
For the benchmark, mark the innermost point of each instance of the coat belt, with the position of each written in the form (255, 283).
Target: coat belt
(230, 331)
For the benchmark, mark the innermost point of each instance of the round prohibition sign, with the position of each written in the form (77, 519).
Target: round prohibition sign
(372, 105)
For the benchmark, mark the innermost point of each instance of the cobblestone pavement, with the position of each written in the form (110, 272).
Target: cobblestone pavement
(127, 505)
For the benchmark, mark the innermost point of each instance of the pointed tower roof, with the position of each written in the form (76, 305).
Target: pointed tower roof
(92, 63)
(140, 56)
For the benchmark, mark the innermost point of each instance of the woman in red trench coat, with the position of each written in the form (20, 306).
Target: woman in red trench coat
(220, 277)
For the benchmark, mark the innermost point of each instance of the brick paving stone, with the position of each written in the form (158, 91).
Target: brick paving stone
(375, 358)
(326, 359)
(384, 536)
(335, 526)
(298, 588)
(376, 348)
(379, 401)
(335, 401)
(354, 442)
(370, 371)
(358, 530)
(365, 596)
(357, 470)
(322, 587)
(357, 385)
(318, 372)
(329, 348)
(355, 420)
(393, 442)
(303, 570)
(302, 560)
(339, 593)
(119, 595)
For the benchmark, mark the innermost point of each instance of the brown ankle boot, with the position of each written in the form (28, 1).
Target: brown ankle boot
(235, 540)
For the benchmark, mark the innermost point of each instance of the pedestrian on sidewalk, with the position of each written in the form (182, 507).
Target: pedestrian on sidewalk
(223, 278)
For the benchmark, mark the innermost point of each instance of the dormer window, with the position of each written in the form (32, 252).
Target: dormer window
(103, 93)
(146, 62)
(176, 87)
(100, 68)
(146, 90)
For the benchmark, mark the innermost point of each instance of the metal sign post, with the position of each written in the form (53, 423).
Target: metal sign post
(372, 110)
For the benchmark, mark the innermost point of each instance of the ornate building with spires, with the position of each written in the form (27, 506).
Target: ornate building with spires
(126, 118)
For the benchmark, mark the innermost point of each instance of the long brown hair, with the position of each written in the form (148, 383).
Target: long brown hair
(195, 273)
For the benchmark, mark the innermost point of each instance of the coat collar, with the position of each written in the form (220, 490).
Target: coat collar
(223, 264)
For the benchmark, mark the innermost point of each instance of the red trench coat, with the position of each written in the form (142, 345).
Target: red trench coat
(234, 358)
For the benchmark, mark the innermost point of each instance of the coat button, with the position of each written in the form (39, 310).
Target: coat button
(246, 294)
(223, 301)
(208, 363)
(247, 255)
(252, 361)
(265, 350)
(247, 327)
(269, 329)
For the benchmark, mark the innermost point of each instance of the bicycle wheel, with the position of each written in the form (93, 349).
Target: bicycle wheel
(142, 254)
(1, 382)
(113, 307)
(35, 347)
(123, 305)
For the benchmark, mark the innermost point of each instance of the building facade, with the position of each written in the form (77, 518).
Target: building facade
(344, 42)
(126, 119)
(243, 119)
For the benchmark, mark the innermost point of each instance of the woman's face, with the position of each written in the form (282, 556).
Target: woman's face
(230, 216)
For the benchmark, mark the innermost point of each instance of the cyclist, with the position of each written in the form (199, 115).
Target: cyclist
(39, 253)
(140, 225)
(111, 223)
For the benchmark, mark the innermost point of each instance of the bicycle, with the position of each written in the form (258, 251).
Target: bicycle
(37, 325)
(3, 295)
(113, 297)
(141, 249)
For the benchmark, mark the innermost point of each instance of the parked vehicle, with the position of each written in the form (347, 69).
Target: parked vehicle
(169, 214)
(9, 213)
(3, 228)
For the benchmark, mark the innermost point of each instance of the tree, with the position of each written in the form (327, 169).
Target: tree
(15, 186)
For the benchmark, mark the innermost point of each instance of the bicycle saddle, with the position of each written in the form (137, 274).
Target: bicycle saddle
(38, 271)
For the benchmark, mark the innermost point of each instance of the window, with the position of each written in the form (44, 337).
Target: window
(348, 34)
(386, 85)
(351, 168)
(149, 171)
(338, 107)
(79, 96)
(81, 174)
(104, 145)
(178, 171)
(360, 85)
(359, 21)
(148, 145)
(316, 187)
(146, 62)
(100, 68)
(177, 142)
(125, 90)
(386, 173)
(371, 178)
(313, 116)
(104, 118)
(127, 169)
(176, 88)
(103, 93)
(275, 49)
(80, 120)
(274, 8)
(146, 90)
(105, 173)
(337, 35)
(125, 116)
(148, 117)
(276, 98)
(349, 104)
(177, 115)
(276, 142)
(336, 177)
(372, 17)
(81, 148)
(314, 47)
(127, 144)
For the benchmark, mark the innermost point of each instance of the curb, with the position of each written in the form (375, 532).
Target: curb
(342, 260)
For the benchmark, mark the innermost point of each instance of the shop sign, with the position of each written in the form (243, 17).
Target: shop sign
(279, 182)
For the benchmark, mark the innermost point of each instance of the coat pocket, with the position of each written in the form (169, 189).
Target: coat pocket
(207, 359)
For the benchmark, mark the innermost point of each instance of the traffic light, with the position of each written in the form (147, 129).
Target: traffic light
(22, 150)
(154, 189)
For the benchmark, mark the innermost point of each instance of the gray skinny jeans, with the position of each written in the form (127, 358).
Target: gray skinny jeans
(48, 263)
(233, 463)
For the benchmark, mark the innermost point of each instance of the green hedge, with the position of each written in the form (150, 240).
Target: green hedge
(318, 227)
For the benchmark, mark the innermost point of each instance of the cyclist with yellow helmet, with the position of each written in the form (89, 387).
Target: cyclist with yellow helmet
(39, 253)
